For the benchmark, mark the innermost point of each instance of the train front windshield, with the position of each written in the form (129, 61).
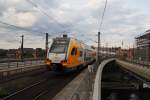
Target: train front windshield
(59, 46)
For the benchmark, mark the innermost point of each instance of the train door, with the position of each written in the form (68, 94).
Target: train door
(81, 55)
(85, 58)
(74, 59)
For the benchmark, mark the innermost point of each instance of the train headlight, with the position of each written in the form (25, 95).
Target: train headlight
(48, 61)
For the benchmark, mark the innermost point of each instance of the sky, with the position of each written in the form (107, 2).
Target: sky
(123, 21)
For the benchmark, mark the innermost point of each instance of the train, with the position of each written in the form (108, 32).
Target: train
(67, 54)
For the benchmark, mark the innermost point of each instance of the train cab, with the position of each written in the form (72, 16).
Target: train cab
(67, 55)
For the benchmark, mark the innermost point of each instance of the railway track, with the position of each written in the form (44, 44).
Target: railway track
(23, 74)
(44, 89)
(26, 89)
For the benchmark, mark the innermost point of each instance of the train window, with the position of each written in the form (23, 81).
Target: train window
(58, 49)
(73, 51)
(59, 46)
(81, 53)
(76, 51)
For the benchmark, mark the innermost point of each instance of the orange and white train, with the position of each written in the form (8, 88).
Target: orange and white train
(68, 54)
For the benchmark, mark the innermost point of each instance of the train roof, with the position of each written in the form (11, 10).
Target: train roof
(69, 38)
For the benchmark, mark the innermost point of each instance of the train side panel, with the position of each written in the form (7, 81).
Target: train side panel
(75, 56)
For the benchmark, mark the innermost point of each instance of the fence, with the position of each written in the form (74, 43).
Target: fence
(19, 63)
(97, 83)
(139, 62)
(85, 89)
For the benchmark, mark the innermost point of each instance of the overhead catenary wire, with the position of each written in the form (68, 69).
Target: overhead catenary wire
(18, 27)
(102, 17)
(45, 13)
(21, 28)
(50, 17)
(99, 32)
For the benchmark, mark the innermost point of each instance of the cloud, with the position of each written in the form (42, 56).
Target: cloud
(122, 21)
(26, 19)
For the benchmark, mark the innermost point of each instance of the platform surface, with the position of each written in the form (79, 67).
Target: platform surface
(140, 70)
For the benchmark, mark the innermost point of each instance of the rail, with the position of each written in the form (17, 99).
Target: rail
(97, 84)
(24, 89)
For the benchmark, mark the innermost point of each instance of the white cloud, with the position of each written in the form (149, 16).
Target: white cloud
(25, 19)
(121, 21)
(22, 19)
(95, 4)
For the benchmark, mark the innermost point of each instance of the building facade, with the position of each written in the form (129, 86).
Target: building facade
(142, 51)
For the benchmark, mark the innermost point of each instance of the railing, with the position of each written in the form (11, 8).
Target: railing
(5, 74)
(142, 63)
(18, 60)
(85, 89)
(19, 63)
(97, 84)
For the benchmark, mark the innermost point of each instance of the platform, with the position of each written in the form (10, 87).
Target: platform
(143, 71)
